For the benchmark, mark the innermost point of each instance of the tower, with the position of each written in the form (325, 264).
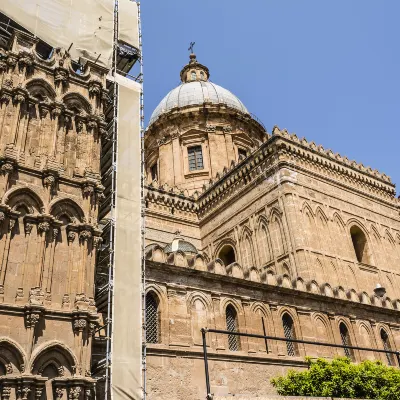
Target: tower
(51, 125)
(198, 129)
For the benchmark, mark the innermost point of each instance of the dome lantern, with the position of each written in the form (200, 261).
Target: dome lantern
(194, 71)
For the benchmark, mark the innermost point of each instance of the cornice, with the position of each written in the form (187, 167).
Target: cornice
(278, 151)
(354, 301)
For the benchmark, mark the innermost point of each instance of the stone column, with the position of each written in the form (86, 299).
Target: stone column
(32, 318)
(44, 110)
(217, 341)
(49, 278)
(84, 237)
(177, 160)
(18, 99)
(246, 343)
(89, 281)
(5, 171)
(43, 228)
(79, 326)
(5, 256)
(71, 235)
(28, 226)
(55, 112)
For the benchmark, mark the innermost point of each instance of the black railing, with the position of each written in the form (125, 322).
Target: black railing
(341, 346)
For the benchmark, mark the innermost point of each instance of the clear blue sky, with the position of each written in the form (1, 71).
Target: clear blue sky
(327, 70)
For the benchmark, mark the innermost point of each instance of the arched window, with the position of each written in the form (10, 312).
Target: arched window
(201, 74)
(199, 320)
(193, 75)
(152, 319)
(360, 245)
(247, 257)
(227, 255)
(232, 326)
(276, 236)
(263, 245)
(386, 346)
(288, 330)
(345, 336)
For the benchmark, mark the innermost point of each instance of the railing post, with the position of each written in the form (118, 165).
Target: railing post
(203, 335)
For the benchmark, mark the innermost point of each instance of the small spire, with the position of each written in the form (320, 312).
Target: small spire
(194, 71)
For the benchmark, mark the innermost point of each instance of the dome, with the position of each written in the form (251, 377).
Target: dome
(197, 93)
(180, 244)
(196, 89)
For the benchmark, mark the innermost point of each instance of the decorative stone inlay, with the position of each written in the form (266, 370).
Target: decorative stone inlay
(74, 393)
(28, 227)
(85, 235)
(6, 168)
(71, 236)
(31, 319)
(49, 181)
(36, 297)
(38, 392)
(79, 324)
(5, 392)
(44, 226)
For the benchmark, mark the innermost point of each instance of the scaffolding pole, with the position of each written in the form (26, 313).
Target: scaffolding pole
(106, 256)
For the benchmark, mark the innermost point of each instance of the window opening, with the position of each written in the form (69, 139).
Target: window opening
(360, 244)
(227, 255)
(386, 346)
(201, 74)
(288, 330)
(154, 172)
(242, 154)
(152, 323)
(231, 326)
(195, 155)
(344, 334)
(193, 75)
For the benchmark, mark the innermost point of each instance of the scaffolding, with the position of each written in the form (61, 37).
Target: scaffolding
(127, 62)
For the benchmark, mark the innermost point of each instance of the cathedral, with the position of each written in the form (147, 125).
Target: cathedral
(262, 233)
(246, 231)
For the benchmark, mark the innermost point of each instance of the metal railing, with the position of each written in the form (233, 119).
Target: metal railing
(252, 335)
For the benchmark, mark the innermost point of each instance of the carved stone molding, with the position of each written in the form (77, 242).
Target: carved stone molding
(85, 235)
(74, 393)
(5, 392)
(59, 393)
(49, 182)
(32, 317)
(36, 297)
(6, 168)
(44, 226)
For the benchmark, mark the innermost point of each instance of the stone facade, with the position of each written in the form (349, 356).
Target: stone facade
(291, 240)
(51, 124)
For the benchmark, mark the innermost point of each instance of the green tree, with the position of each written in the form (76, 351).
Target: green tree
(341, 378)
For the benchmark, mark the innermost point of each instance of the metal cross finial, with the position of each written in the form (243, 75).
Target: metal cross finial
(191, 46)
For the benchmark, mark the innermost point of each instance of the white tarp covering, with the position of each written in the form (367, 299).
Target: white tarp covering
(87, 24)
(126, 376)
(127, 17)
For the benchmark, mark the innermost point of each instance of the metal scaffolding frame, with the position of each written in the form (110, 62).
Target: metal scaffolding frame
(124, 59)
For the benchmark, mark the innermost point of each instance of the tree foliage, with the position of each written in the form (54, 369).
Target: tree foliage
(343, 379)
